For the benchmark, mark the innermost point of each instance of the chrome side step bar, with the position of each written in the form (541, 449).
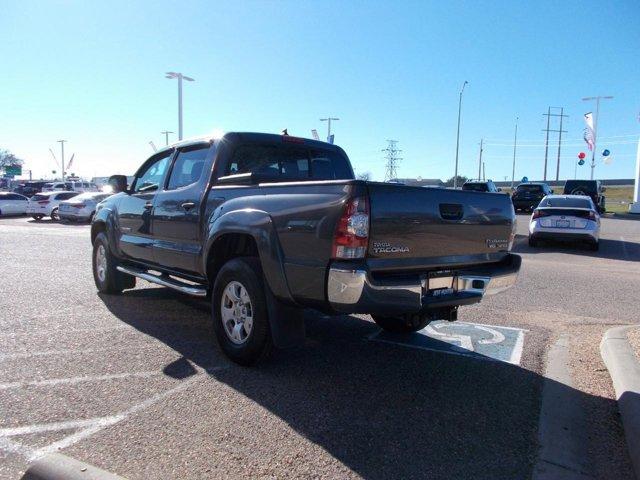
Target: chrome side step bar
(165, 281)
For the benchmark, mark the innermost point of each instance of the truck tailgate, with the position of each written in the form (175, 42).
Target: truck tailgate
(416, 227)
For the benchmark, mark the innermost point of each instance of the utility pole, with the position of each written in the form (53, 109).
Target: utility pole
(328, 120)
(392, 158)
(595, 127)
(61, 142)
(515, 142)
(166, 136)
(180, 77)
(480, 158)
(546, 144)
(562, 115)
(455, 176)
(484, 178)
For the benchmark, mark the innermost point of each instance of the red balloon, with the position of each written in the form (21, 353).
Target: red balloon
(581, 155)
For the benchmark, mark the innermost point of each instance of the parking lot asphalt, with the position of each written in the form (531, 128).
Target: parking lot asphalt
(135, 384)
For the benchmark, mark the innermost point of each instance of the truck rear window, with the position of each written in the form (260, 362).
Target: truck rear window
(529, 188)
(289, 162)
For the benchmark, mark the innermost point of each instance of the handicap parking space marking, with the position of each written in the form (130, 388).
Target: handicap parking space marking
(476, 340)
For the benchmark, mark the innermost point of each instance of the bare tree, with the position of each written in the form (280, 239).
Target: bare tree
(364, 176)
(7, 158)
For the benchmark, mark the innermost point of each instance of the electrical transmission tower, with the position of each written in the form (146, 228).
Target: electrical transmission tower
(393, 159)
(560, 132)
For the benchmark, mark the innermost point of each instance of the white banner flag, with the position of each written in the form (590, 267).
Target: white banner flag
(588, 132)
(314, 132)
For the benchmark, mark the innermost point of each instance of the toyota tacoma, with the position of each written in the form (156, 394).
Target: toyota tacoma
(266, 225)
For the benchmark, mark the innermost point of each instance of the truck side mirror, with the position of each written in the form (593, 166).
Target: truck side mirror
(118, 183)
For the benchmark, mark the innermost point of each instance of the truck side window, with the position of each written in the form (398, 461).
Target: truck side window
(329, 165)
(187, 169)
(150, 179)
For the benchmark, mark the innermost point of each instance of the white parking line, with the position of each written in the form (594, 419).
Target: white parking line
(74, 380)
(88, 426)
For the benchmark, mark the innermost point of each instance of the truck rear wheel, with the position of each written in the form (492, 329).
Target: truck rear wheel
(105, 274)
(402, 323)
(239, 311)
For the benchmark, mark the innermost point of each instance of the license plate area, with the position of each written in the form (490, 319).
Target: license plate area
(563, 223)
(440, 283)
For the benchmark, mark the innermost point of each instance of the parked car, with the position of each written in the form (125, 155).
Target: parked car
(567, 218)
(267, 225)
(81, 207)
(481, 186)
(29, 189)
(70, 187)
(13, 204)
(46, 204)
(527, 196)
(592, 188)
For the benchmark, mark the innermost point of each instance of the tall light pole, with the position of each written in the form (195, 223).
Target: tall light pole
(166, 135)
(455, 177)
(180, 77)
(61, 142)
(595, 127)
(515, 143)
(328, 120)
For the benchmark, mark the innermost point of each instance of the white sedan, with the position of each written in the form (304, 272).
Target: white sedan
(565, 218)
(13, 204)
(45, 204)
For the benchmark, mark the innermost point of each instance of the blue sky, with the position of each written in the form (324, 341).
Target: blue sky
(93, 74)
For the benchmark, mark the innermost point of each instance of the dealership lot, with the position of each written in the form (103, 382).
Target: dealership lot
(136, 385)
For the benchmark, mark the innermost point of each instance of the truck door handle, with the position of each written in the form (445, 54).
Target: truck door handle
(148, 205)
(188, 205)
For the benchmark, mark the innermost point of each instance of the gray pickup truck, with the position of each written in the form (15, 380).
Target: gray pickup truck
(267, 225)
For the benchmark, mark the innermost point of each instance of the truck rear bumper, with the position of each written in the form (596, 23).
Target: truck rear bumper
(353, 290)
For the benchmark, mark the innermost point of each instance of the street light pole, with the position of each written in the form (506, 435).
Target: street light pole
(180, 77)
(595, 127)
(61, 142)
(166, 135)
(515, 142)
(455, 177)
(328, 120)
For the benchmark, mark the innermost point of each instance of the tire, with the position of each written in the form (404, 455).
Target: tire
(105, 275)
(238, 295)
(533, 242)
(402, 324)
(54, 215)
(37, 218)
(91, 217)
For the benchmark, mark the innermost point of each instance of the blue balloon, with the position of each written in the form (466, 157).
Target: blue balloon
(525, 179)
(581, 162)
(605, 153)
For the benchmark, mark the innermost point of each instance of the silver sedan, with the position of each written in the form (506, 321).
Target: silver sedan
(570, 218)
(81, 207)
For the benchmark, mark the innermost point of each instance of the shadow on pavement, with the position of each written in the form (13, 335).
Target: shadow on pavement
(609, 249)
(382, 410)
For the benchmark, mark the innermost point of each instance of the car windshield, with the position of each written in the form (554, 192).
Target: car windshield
(477, 187)
(566, 202)
(529, 188)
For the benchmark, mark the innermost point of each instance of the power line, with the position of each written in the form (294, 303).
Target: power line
(393, 159)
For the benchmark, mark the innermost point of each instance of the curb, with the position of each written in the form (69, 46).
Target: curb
(57, 466)
(624, 369)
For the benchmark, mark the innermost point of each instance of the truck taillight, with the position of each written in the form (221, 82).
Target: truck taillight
(352, 232)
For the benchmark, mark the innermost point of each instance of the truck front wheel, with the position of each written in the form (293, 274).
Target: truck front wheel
(239, 310)
(403, 323)
(105, 275)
